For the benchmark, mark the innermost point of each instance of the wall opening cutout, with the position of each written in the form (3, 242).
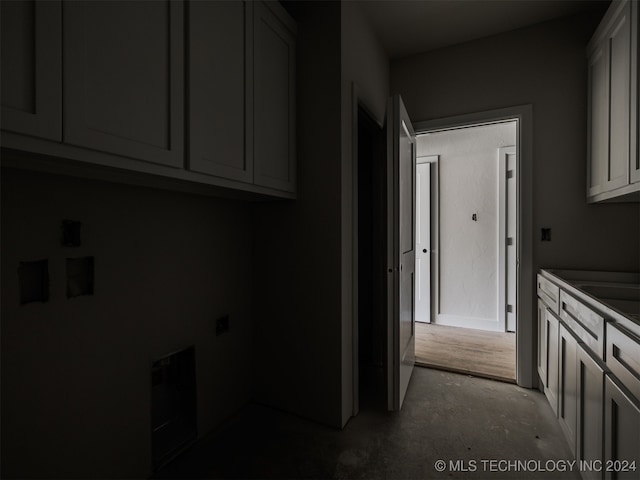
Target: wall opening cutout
(173, 405)
(80, 273)
(466, 244)
(71, 233)
(33, 278)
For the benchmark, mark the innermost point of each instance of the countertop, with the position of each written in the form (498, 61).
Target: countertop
(614, 294)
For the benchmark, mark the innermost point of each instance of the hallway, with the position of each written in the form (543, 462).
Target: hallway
(445, 416)
(465, 350)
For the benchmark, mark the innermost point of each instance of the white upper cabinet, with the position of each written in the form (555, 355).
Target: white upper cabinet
(123, 78)
(612, 144)
(274, 97)
(31, 39)
(220, 89)
(200, 92)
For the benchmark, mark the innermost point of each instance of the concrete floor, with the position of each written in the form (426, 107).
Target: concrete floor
(446, 416)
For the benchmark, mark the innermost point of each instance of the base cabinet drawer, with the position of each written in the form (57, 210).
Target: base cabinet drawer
(590, 393)
(621, 432)
(623, 357)
(586, 324)
(549, 292)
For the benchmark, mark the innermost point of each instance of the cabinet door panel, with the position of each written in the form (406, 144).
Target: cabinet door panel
(220, 89)
(274, 101)
(589, 443)
(622, 429)
(598, 151)
(123, 67)
(553, 335)
(617, 173)
(567, 386)
(31, 42)
(542, 344)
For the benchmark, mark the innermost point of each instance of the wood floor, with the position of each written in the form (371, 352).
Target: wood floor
(464, 350)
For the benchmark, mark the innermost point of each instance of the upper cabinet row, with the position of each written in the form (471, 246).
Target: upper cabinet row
(613, 171)
(202, 91)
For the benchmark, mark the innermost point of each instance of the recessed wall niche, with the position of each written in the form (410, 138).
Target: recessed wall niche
(80, 272)
(34, 281)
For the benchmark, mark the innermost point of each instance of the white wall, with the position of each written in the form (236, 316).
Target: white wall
(364, 63)
(76, 373)
(468, 184)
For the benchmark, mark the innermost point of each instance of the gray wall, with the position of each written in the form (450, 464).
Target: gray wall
(76, 378)
(365, 64)
(545, 66)
(297, 322)
(303, 272)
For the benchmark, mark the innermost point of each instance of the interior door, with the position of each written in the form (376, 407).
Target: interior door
(401, 219)
(423, 242)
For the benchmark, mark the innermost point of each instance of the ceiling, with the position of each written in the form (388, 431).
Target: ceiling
(408, 27)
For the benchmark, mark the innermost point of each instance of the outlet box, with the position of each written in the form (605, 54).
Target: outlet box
(222, 325)
(545, 234)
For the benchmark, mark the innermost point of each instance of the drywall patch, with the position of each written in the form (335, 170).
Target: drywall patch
(80, 273)
(34, 281)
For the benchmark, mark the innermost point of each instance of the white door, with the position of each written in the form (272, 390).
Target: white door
(423, 241)
(401, 164)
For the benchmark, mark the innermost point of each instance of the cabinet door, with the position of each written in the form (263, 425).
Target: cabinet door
(553, 335)
(274, 100)
(619, 43)
(589, 443)
(123, 69)
(221, 89)
(621, 430)
(542, 344)
(598, 103)
(31, 39)
(567, 386)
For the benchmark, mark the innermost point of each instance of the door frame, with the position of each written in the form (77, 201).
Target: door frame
(523, 114)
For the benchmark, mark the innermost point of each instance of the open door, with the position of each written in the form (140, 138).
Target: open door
(401, 220)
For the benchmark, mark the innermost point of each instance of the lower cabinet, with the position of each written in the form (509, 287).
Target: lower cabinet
(590, 386)
(567, 386)
(542, 345)
(621, 433)
(552, 337)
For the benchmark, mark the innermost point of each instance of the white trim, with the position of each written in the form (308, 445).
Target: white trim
(503, 266)
(525, 339)
(355, 396)
(488, 324)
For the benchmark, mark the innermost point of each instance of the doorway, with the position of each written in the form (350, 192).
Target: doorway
(466, 238)
(371, 319)
(388, 186)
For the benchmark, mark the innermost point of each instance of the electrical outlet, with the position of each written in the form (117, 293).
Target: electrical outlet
(222, 325)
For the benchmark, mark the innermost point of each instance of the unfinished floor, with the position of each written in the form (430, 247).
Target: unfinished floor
(446, 416)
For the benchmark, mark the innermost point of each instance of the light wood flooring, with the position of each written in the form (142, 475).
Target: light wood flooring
(464, 350)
